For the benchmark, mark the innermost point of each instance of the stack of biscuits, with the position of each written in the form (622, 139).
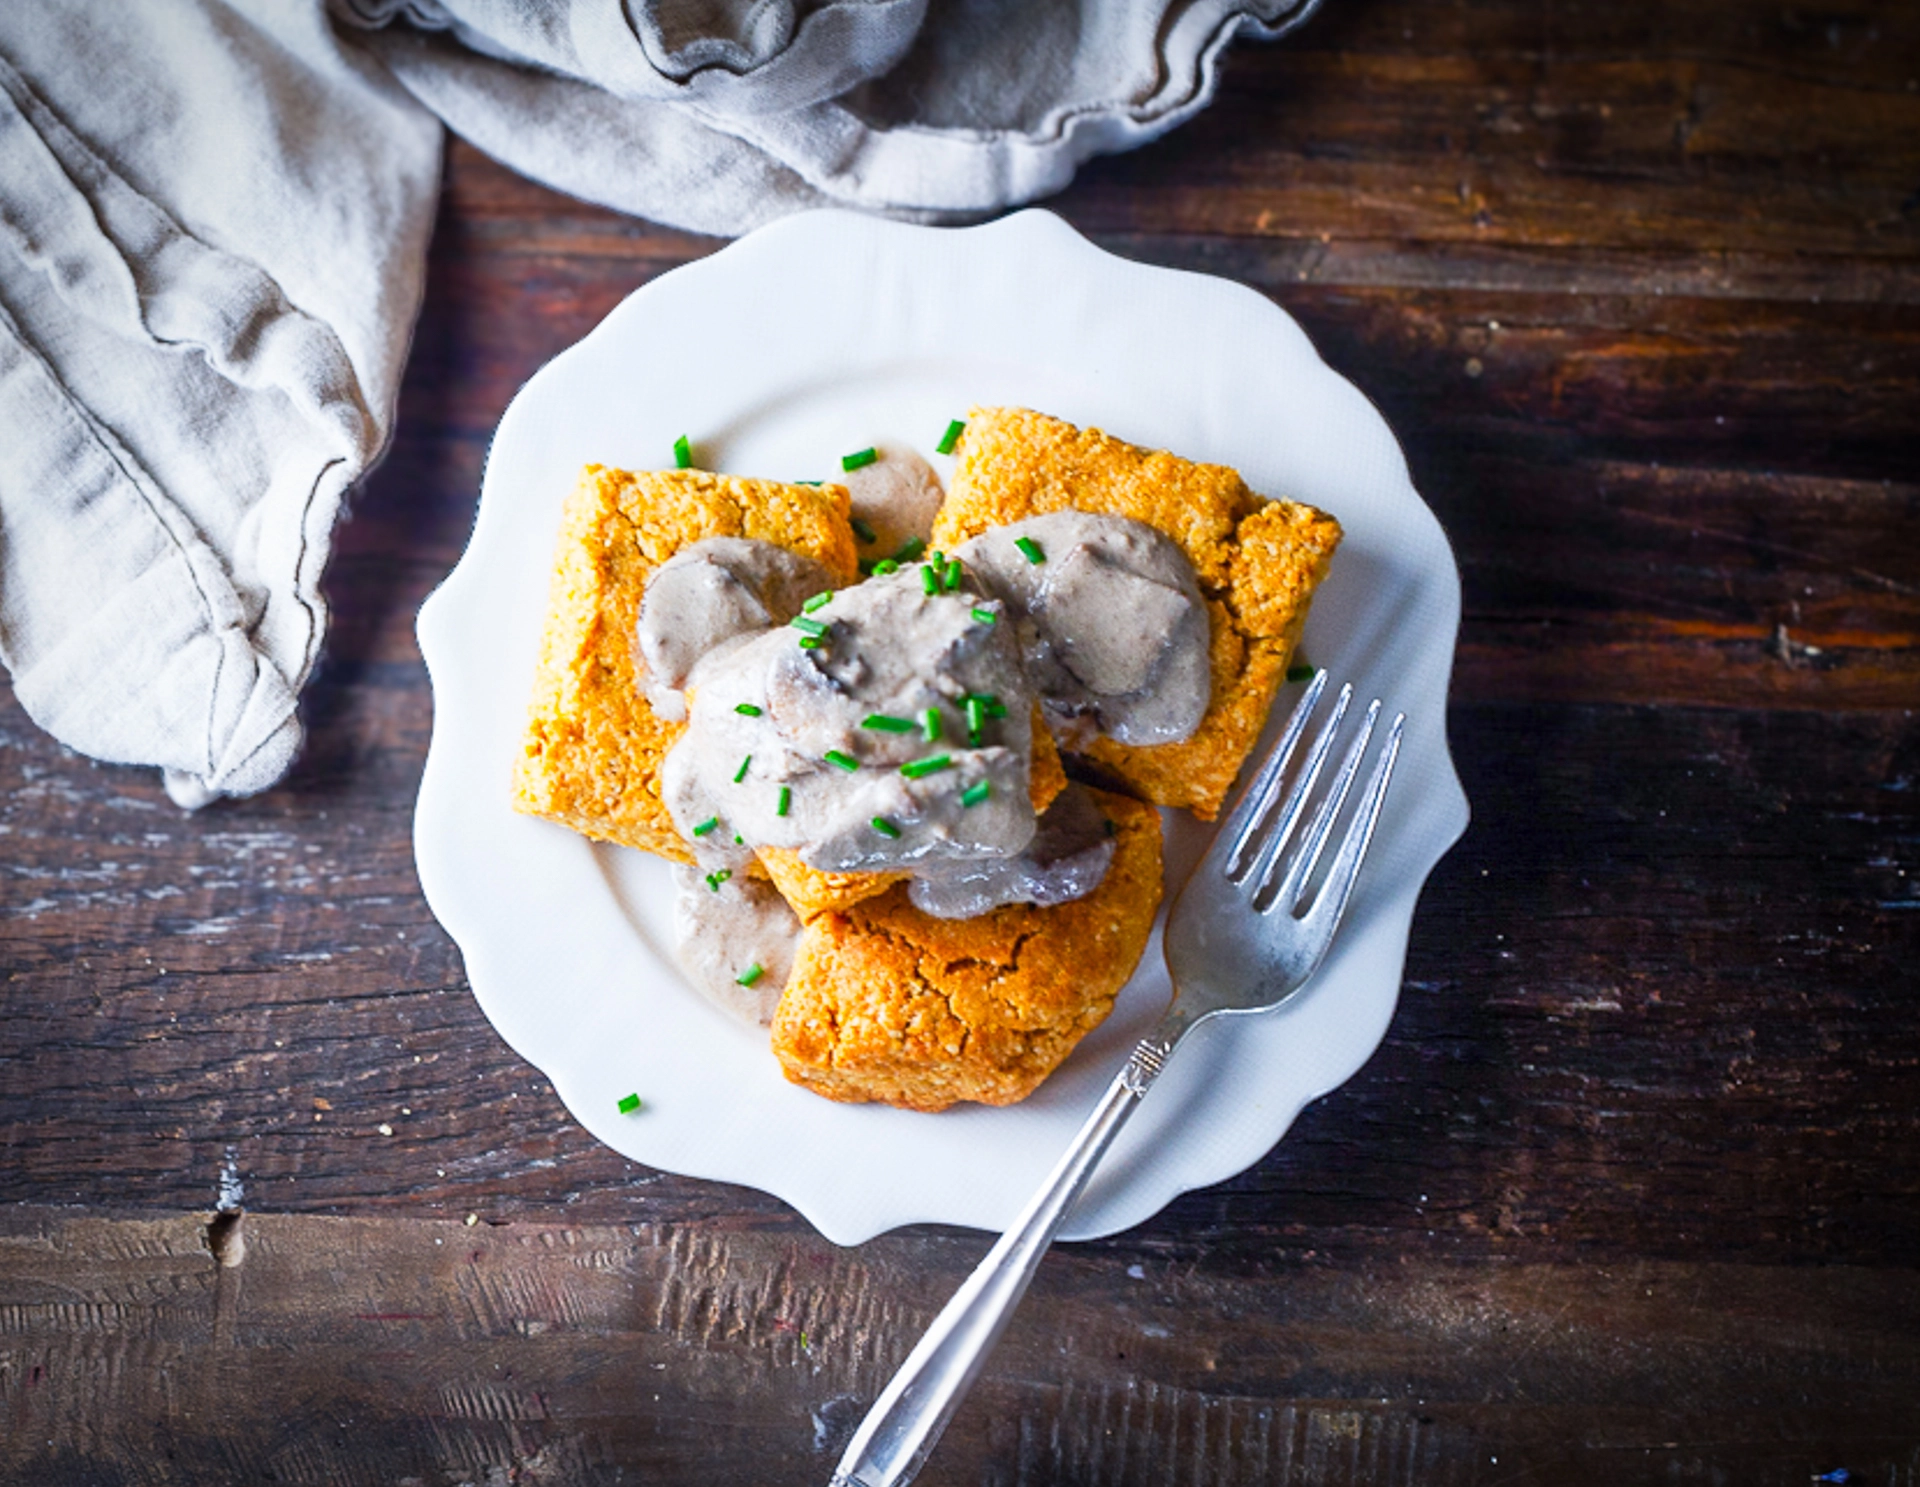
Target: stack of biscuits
(885, 1002)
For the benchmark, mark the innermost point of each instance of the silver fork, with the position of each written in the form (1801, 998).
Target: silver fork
(1244, 919)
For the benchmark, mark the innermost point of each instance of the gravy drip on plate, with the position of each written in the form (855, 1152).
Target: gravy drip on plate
(722, 928)
(896, 497)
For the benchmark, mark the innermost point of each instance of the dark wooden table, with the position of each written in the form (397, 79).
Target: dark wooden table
(1631, 1193)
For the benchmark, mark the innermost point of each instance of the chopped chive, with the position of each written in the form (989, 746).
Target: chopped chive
(976, 719)
(818, 601)
(628, 1104)
(915, 769)
(786, 799)
(741, 773)
(1301, 673)
(682, 454)
(811, 642)
(985, 616)
(841, 761)
(714, 880)
(815, 628)
(975, 793)
(859, 458)
(1030, 549)
(813, 483)
(930, 725)
(865, 533)
(950, 579)
(995, 707)
(886, 566)
(739, 840)
(936, 557)
(707, 825)
(750, 975)
(746, 709)
(951, 437)
(909, 550)
(885, 723)
(885, 827)
(929, 578)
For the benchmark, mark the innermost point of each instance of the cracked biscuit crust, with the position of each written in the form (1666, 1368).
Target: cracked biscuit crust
(887, 1003)
(591, 755)
(1258, 562)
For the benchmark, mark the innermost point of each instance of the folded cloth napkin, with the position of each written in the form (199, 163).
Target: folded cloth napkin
(213, 226)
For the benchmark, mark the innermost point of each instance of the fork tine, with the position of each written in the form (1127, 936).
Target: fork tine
(1293, 886)
(1324, 916)
(1256, 806)
(1296, 800)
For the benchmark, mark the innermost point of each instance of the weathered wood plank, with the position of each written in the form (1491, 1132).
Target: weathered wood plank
(384, 1350)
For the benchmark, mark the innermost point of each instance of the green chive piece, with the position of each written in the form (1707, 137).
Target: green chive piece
(841, 761)
(885, 566)
(714, 880)
(682, 454)
(811, 642)
(930, 725)
(936, 557)
(859, 458)
(884, 723)
(929, 578)
(1030, 549)
(739, 840)
(984, 616)
(915, 769)
(885, 827)
(628, 1104)
(750, 975)
(951, 437)
(976, 719)
(995, 707)
(909, 550)
(818, 601)
(813, 627)
(865, 533)
(707, 825)
(746, 709)
(813, 483)
(1302, 672)
(741, 773)
(975, 793)
(786, 799)
(950, 579)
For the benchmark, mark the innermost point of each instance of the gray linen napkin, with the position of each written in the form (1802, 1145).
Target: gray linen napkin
(213, 227)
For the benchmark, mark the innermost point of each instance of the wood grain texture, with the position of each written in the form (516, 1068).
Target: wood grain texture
(1630, 1192)
(434, 1353)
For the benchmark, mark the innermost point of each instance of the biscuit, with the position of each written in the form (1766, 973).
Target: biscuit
(591, 755)
(887, 1003)
(1257, 561)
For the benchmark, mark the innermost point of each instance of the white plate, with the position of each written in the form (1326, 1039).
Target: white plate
(829, 332)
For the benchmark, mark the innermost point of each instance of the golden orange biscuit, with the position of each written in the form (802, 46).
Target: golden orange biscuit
(887, 1003)
(1258, 563)
(591, 755)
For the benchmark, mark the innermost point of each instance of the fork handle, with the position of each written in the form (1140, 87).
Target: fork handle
(900, 1430)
